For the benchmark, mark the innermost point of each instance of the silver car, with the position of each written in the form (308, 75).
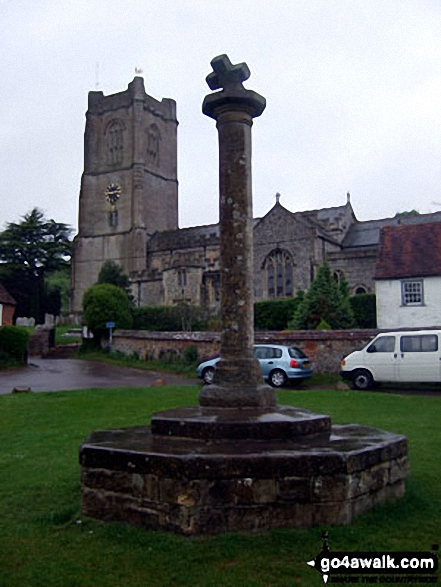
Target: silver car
(279, 364)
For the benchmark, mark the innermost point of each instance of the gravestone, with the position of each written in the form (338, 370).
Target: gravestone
(238, 461)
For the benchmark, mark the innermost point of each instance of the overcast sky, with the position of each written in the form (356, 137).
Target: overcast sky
(353, 90)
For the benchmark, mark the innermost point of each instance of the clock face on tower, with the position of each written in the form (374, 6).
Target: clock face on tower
(112, 193)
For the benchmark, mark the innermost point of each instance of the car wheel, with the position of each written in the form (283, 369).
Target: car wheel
(208, 375)
(277, 378)
(363, 380)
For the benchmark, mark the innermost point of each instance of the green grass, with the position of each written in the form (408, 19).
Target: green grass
(176, 366)
(61, 335)
(45, 542)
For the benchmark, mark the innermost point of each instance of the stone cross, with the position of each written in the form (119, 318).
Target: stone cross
(226, 75)
(238, 380)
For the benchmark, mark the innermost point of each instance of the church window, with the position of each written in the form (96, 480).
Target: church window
(182, 277)
(115, 142)
(278, 268)
(153, 140)
(359, 290)
(113, 218)
(338, 275)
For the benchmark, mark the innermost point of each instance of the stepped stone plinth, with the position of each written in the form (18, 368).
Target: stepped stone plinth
(201, 471)
(238, 461)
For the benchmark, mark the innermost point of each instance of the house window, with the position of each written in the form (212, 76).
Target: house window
(279, 274)
(412, 293)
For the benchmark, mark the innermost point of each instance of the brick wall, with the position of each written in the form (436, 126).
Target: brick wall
(326, 348)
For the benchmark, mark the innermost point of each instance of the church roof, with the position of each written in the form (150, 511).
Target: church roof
(183, 238)
(367, 233)
(409, 250)
(187, 238)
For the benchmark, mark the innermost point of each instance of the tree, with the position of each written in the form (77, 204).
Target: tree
(325, 302)
(30, 250)
(104, 303)
(113, 274)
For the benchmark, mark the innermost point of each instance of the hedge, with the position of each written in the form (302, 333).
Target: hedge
(274, 314)
(14, 343)
(364, 307)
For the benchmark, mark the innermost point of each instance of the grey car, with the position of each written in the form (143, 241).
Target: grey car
(279, 364)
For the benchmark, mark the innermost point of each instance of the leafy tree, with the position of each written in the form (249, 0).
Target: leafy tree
(325, 302)
(104, 303)
(30, 250)
(112, 273)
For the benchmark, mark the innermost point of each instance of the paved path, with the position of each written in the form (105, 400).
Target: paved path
(62, 374)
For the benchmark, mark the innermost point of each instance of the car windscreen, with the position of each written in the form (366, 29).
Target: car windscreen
(296, 353)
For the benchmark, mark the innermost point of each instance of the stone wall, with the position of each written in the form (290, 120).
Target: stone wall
(40, 341)
(325, 348)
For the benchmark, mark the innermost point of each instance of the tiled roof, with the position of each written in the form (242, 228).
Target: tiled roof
(412, 250)
(5, 297)
(367, 233)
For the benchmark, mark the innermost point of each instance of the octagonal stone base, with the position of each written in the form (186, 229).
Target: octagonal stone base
(198, 470)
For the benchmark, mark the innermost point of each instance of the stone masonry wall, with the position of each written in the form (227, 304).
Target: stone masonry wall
(324, 348)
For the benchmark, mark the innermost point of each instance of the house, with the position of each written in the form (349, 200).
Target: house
(7, 307)
(408, 276)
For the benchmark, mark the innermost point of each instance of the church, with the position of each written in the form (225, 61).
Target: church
(128, 213)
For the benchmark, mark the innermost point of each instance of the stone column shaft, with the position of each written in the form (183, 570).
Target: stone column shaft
(238, 381)
(236, 238)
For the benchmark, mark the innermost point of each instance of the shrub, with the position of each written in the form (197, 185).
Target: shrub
(190, 354)
(275, 314)
(324, 300)
(364, 307)
(106, 303)
(170, 318)
(14, 342)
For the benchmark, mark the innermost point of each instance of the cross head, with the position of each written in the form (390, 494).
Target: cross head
(226, 75)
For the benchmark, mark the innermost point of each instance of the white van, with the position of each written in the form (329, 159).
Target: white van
(413, 356)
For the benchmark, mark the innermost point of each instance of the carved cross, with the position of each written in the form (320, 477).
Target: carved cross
(226, 75)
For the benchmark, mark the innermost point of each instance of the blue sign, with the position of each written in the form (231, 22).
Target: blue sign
(110, 325)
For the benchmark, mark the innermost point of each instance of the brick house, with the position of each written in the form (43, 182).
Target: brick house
(7, 307)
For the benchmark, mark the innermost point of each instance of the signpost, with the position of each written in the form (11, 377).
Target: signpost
(110, 325)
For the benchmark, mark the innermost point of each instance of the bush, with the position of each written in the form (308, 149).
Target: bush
(170, 318)
(275, 314)
(364, 307)
(14, 343)
(324, 300)
(190, 355)
(106, 303)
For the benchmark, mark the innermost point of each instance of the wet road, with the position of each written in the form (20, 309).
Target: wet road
(64, 374)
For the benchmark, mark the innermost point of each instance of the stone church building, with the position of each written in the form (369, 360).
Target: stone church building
(128, 212)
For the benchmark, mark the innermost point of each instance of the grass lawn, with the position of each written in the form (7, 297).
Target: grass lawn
(45, 542)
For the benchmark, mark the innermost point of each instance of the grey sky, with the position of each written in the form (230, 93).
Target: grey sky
(353, 91)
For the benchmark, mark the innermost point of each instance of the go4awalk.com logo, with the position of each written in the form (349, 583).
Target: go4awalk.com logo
(372, 568)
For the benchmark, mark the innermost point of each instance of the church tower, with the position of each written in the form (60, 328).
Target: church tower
(129, 187)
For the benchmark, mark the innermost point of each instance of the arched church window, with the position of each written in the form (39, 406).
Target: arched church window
(153, 140)
(360, 289)
(115, 142)
(338, 275)
(278, 269)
